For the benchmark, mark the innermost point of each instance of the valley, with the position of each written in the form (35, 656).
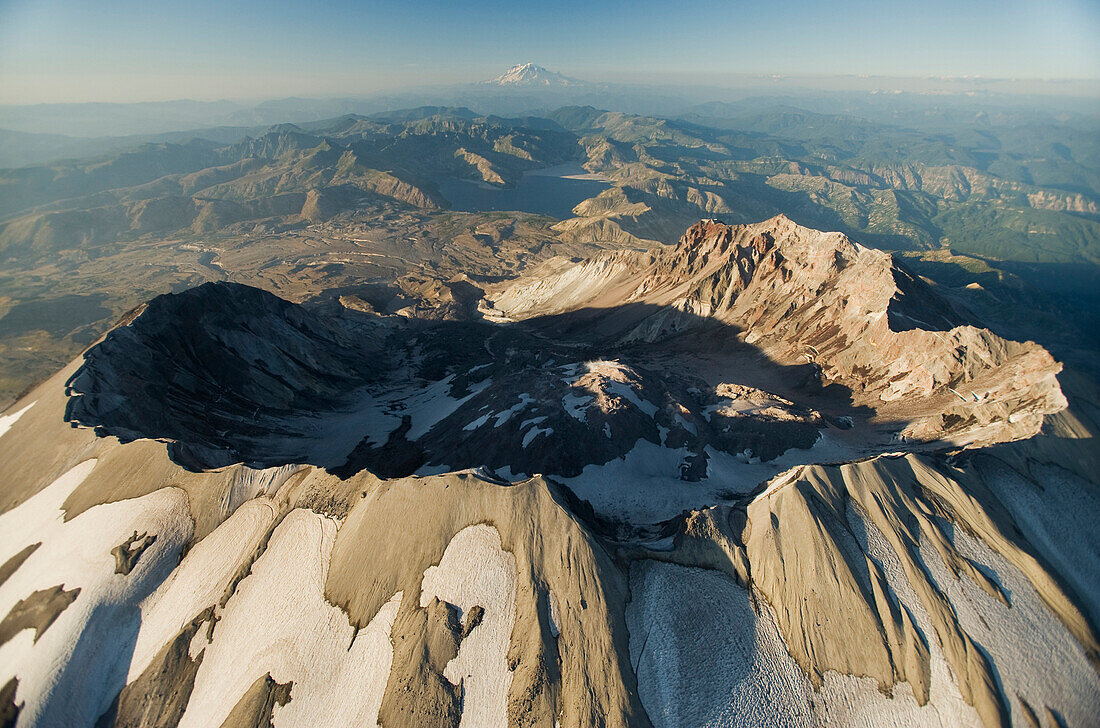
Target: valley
(400, 202)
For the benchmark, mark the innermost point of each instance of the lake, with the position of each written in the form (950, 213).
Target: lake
(552, 191)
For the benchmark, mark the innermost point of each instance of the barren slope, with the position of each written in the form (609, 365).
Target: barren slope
(235, 510)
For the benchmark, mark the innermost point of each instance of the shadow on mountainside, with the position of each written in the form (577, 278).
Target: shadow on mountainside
(226, 373)
(1055, 305)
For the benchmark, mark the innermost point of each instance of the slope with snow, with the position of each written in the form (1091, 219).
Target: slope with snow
(719, 485)
(528, 75)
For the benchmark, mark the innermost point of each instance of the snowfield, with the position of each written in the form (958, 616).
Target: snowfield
(704, 657)
(278, 622)
(69, 675)
(476, 571)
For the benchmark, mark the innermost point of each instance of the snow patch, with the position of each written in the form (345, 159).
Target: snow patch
(689, 426)
(477, 571)
(535, 432)
(6, 421)
(575, 405)
(533, 421)
(433, 404)
(747, 457)
(619, 389)
(200, 580)
(555, 615)
(524, 399)
(70, 675)
(278, 621)
(473, 425)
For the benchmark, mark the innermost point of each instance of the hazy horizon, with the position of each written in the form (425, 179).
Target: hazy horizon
(58, 51)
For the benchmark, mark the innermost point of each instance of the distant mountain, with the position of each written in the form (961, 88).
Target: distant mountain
(528, 75)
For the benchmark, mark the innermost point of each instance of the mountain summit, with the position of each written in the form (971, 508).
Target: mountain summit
(528, 74)
(765, 473)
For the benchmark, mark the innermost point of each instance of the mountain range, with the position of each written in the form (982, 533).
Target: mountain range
(92, 125)
(542, 409)
(1010, 233)
(765, 475)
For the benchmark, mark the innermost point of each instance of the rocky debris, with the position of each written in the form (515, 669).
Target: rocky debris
(458, 300)
(756, 424)
(12, 565)
(256, 706)
(9, 709)
(38, 611)
(418, 694)
(472, 620)
(129, 551)
(158, 697)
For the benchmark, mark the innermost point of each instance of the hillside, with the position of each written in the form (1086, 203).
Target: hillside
(765, 475)
(401, 201)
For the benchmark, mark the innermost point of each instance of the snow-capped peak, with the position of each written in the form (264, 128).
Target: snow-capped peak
(528, 74)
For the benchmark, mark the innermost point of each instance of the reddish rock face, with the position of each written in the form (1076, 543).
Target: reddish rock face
(803, 296)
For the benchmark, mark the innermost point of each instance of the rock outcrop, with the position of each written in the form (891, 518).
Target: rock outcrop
(803, 296)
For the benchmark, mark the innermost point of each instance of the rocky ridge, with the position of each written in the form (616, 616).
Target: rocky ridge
(799, 295)
(383, 520)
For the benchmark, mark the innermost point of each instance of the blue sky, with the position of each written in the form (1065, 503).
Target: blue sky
(70, 50)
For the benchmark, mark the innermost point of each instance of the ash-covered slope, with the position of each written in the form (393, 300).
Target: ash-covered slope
(226, 372)
(693, 494)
